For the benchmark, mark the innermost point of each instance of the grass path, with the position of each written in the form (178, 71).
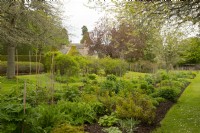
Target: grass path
(184, 117)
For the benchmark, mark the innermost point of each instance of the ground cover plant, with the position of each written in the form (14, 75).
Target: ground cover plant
(109, 102)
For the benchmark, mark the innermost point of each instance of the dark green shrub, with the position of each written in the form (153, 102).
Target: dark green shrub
(44, 117)
(92, 76)
(110, 86)
(168, 93)
(72, 94)
(111, 77)
(78, 112)
(99, 108)
(12, 114)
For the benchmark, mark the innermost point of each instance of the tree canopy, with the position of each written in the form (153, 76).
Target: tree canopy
(29, 22)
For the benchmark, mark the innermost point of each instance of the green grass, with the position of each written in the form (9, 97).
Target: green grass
(42, 79)
(184, 117)
(134, 75)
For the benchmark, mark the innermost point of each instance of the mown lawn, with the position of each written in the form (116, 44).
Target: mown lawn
(184, 117)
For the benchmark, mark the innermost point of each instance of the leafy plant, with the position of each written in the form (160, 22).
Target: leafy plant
(129, 125)
(92, 76)
(108, 120)
(168, 93)
(72, 93)
(112, 130)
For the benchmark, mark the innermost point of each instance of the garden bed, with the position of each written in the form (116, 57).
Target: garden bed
(161, 111)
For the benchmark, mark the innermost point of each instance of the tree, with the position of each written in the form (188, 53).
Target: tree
(190, 50)
(169, 50)
(26, 22)
(86, 36)
(161, 10)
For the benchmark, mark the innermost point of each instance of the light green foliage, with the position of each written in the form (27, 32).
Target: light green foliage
(67, 128)
(108, 120)
(135, 105)
(190, 51)
(112, 130)
(92, 76)
(67, 65)
(114, 66)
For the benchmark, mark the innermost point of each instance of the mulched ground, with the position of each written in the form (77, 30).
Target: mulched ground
(143, 127)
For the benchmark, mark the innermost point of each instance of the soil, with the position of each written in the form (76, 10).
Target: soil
(143, 127)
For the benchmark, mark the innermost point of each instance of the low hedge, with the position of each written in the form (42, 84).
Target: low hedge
(24, 58)
(23, 67)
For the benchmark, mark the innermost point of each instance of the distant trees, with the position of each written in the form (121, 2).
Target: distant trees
(28, 22)
(190, 50)
(123, 39)
(85, 36)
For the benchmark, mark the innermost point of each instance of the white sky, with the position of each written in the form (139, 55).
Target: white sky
(78, 15)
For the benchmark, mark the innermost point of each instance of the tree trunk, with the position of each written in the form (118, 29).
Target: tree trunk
(11, 62)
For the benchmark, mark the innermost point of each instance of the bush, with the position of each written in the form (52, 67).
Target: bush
(72, 94)
(23, 67)
(66, 65)
(168, 93)
(110, 86)
(111, 77)
(113, 66)
(135, 105)
(92, 76)
(77, 112)
(43, 118)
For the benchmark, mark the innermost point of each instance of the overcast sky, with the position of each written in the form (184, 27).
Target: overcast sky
(78, 15)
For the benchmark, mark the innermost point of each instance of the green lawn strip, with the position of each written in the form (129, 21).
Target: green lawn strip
(43, 80)
(134, 75)
(184, 116)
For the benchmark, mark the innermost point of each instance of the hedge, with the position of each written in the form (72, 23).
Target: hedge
(23, 67)
(24, 58)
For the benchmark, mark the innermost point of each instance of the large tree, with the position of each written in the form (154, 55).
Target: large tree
(161, 10)
(26, 22)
